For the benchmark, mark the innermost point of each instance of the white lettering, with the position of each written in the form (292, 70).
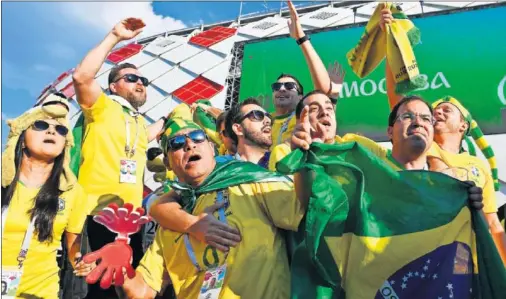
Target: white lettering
(500, 90)
(347, 91)
(434, 84)
(373, 89)
(382, 86)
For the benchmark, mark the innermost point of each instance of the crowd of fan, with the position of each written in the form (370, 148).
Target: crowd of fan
(41, 196)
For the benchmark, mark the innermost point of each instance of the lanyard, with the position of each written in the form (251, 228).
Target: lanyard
(131, 151)
(128, 109)
(221, 217)
(26, 241)
(284, 127)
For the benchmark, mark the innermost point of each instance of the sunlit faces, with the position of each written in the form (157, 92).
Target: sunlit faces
(133, 92)
(45, 140)
(287, 96)
(255, 126)
(321, 112)
(448, 119)
(194, 161)
(413, 128)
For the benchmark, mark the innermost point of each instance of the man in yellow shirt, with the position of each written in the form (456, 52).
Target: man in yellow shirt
(115, 137)
(255, 202)
(453, 121)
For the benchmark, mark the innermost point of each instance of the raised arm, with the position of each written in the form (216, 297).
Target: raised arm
(393, 98)
(87, 89)
(205, 227)
(319, 75)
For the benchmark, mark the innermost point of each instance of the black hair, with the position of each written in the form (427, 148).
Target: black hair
(115, 71)
(393, 114)
(300, 89)
(46, 201)
(220, 120)
(300, 105)
(234, 114)
(153, 152)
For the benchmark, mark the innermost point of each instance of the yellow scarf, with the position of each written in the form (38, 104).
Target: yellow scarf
(398, 37)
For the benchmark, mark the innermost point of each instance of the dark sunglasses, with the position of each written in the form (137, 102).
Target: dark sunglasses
(40, 125)
(133, 78)
(255, 115)
(288, 86)
(176, 143)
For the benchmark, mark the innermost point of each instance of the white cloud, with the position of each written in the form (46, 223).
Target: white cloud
(102, 16)
(44, 68)
(60, 50)
(16, 78)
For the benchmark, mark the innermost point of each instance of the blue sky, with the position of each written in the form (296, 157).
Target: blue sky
(40, 40)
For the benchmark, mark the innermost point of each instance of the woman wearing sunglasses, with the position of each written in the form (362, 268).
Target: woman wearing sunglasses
(41, 201)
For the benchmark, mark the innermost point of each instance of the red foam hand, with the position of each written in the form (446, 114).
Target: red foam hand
(114, 257)
(124, 221)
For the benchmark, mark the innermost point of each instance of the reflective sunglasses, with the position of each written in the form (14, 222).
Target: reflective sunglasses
(40, 125)
(288, 86)
(177, 142)
(133, 78)
(255, 115)
(411, 117)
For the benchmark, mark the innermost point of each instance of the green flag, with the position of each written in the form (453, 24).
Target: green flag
(224, 175)
(372, 232)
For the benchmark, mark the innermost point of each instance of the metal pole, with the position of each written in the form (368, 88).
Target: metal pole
(240, 13)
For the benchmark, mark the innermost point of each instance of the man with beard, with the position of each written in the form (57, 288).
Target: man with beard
(253, 201)
(115, 137)
(250, 127)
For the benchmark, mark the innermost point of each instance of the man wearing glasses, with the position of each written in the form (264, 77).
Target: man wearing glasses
(250, 127)
(286, 93)
(249, 199)
(115, 137)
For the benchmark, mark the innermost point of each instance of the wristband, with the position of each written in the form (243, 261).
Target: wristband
(303, 39)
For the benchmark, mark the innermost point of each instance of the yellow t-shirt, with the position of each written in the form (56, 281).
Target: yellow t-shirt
(289, 121)
(40, 270)
(256, 268)
(277, 154)
(103, 149)
(477, 171)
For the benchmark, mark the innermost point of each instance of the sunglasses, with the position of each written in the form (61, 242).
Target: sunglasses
(288, 86)
(41, 125)
(176, 143)
(255, 115)
(133, 78)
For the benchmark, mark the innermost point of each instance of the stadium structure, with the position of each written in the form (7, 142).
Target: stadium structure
(205, 62)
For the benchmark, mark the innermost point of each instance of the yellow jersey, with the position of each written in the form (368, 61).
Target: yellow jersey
(102, 151)
(282, 128)
(256, 268)
(40, 271)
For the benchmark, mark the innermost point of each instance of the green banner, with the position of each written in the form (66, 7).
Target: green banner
(462, 54)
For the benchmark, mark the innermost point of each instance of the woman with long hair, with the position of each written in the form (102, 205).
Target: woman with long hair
(41, 201)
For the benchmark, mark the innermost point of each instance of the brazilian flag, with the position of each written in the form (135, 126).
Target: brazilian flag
(372, 232)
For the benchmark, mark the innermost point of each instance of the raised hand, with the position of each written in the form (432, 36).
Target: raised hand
(123, 221)
(128, 28)
(336, 73)
(386, 17)
(114, 258)
(301, 137)
(294, 25)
